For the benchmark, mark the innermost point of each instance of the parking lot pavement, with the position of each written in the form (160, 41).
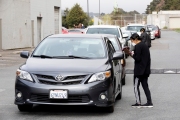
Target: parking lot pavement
(11, 57)
(164, 89)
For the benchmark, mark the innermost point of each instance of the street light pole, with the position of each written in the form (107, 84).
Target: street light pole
(88, 11)
(88, 8)
(99, 12)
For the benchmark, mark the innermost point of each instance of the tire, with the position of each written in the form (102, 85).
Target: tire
(25, 108)
(124, 80)
(110, 109)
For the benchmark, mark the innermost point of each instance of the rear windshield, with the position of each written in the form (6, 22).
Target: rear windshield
(113, 31)
(134, 28)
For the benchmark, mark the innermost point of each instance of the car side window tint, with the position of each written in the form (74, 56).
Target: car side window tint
(119, 43)
(111, 49)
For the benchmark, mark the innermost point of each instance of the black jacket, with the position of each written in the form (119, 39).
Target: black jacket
(146, 39)
(142, 60)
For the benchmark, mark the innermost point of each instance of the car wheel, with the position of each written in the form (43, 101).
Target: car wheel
(110, 109)
(25, 108)
(124, 80)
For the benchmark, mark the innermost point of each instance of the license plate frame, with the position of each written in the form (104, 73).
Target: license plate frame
(60, 92)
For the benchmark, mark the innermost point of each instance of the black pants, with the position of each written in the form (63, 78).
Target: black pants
(144, 82)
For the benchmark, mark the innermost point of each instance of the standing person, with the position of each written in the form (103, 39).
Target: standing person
(142, 61)
(145, 37)
(82, 26)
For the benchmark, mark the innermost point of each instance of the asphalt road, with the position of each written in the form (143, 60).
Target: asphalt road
(164, 88)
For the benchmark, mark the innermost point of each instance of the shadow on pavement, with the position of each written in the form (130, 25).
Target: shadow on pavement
(71, 110)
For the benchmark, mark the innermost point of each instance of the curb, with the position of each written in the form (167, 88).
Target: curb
(17, 52)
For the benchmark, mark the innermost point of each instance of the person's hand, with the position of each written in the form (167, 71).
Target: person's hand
(126, 50)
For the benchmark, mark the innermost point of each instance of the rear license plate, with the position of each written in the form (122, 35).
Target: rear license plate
(58, 94)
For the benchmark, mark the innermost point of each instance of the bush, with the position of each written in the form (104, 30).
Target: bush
(165, 27)
(177, 30)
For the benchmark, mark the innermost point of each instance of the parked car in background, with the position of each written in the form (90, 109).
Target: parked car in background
(69, 69)
(157, 31)
(78, 31)
(64, 30)
(123, 28)
(108, 29)
(118, 47)
(151, 29)
(128, 41)
(135, 28)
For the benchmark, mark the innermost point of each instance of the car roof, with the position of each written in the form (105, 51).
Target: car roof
(109, 35)
(136, 25)
(78, 35)
(103, 26)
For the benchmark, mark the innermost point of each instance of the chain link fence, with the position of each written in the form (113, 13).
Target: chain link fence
(124, 20)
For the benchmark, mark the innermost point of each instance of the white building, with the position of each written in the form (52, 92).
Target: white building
(97, 21)
(169, 19)
(24, 23)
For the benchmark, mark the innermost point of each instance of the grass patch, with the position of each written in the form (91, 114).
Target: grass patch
(165, 27)
(177, 30)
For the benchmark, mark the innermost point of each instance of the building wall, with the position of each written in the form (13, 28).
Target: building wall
(97, 21)
(16, 24)
(169, 12)
(44, 9)
(163, 20)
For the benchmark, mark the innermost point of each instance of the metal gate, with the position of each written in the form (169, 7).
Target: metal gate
(56, 20)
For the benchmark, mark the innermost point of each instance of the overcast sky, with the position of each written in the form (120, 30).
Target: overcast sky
(107, 5)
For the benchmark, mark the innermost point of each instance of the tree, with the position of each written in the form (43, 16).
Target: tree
(64, 22)
(171, 5)
(157, 5)
(76, 15)
(91, 22)
(106, 18)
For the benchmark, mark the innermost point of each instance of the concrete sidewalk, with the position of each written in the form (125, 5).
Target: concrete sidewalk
(14, 51)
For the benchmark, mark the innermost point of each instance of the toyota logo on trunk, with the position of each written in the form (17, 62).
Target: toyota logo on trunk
(59, 78)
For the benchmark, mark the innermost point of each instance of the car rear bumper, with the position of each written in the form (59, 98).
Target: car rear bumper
(80, 94)
(157, 35)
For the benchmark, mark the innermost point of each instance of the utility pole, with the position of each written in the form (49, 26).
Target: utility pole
(99, 12)
(88, 8)
(121, 21)
(88, 11)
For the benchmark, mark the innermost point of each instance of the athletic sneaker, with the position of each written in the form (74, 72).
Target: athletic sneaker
(136, 105)
(147, 105)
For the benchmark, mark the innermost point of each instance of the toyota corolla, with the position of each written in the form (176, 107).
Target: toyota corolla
(70, 70)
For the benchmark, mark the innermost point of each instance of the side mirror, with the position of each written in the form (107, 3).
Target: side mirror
(118, 56)
(125, 35)
(24, 54)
